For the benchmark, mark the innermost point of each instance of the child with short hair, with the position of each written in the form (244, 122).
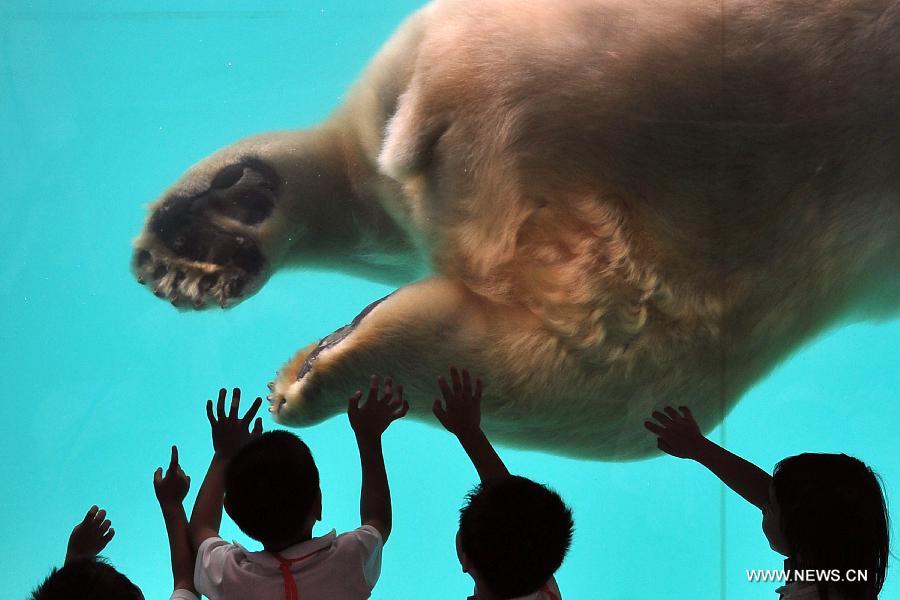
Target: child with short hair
(824, 512)
(269, 485)
(84, 572)
(513, 532)
(87, 576)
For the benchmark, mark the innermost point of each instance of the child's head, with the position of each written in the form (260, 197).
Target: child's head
(272, 489)
(513, 535)
(87, 578)
(827, 511)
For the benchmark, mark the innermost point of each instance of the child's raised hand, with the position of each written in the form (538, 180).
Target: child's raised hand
(678, 433)
(371, 419)
(90, 536)
(172, 487)
(461, 409)
(230, 433)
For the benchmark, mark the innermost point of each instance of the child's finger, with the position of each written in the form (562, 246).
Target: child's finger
(220, 405)
(672, 413)
(404, 408)
(99, 517)
(104, 526)
(396, 400)
(686, 412)
(477, 396)
(157, 476)
(90, 514)
(466, 383)
(257, 428)
(388, 389)
(373, 389)
(209, 413)
(445, 391)
(254, 408)
(353, 403)
(173, 462)
(654, 428)
(662, 418)
(108, 536)
(235, 402)
(454, 376)
(438, 409)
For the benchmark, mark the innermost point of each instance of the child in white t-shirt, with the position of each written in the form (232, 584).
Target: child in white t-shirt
(269, 485)
(825, 512)
(513, 533)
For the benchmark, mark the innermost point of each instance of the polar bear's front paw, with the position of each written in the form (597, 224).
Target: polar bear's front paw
(200, 249)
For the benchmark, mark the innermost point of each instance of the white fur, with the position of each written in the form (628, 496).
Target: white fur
(625, 204)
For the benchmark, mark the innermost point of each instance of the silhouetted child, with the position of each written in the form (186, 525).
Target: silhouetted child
(513, 533)
(89, 577)
(269, 485)
(171, 489)
(824, 512)
(84, 573)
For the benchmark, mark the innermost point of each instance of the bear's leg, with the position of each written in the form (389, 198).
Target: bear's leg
(413, 335)
(220, 231)
(310, 197)
(537, 394)
(283, 198)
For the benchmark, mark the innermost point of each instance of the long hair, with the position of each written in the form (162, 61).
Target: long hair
(834, 516)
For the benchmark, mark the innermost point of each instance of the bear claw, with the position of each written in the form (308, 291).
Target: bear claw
(276, 401)
(188, 285)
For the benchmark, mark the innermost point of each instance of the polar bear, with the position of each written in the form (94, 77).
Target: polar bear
(604, 206)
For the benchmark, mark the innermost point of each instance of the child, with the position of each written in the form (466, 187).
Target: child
(171, 490)
(824, 512)
(513, 533)
(269, 485)
(84, 573)
(87, 576)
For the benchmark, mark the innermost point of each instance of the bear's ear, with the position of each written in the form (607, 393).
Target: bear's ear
(410, 136)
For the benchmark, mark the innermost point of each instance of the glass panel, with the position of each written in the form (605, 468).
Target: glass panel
(102, 106)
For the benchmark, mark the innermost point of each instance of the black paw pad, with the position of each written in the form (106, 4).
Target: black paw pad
(189, 225)
(244, 191)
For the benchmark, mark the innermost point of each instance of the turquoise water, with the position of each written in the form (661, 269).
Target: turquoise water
(102, 105)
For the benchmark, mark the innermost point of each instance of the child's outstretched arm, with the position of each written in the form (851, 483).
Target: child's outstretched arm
(369, 422)
(171, 489)
(229, 434)
(679, 435)
(90, 536)
(460, 414)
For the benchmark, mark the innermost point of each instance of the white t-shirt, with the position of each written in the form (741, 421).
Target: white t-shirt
(183, 595)
(336, 567)
(550, 591)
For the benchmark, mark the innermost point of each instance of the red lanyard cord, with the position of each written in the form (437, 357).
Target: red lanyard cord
(290, 586)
